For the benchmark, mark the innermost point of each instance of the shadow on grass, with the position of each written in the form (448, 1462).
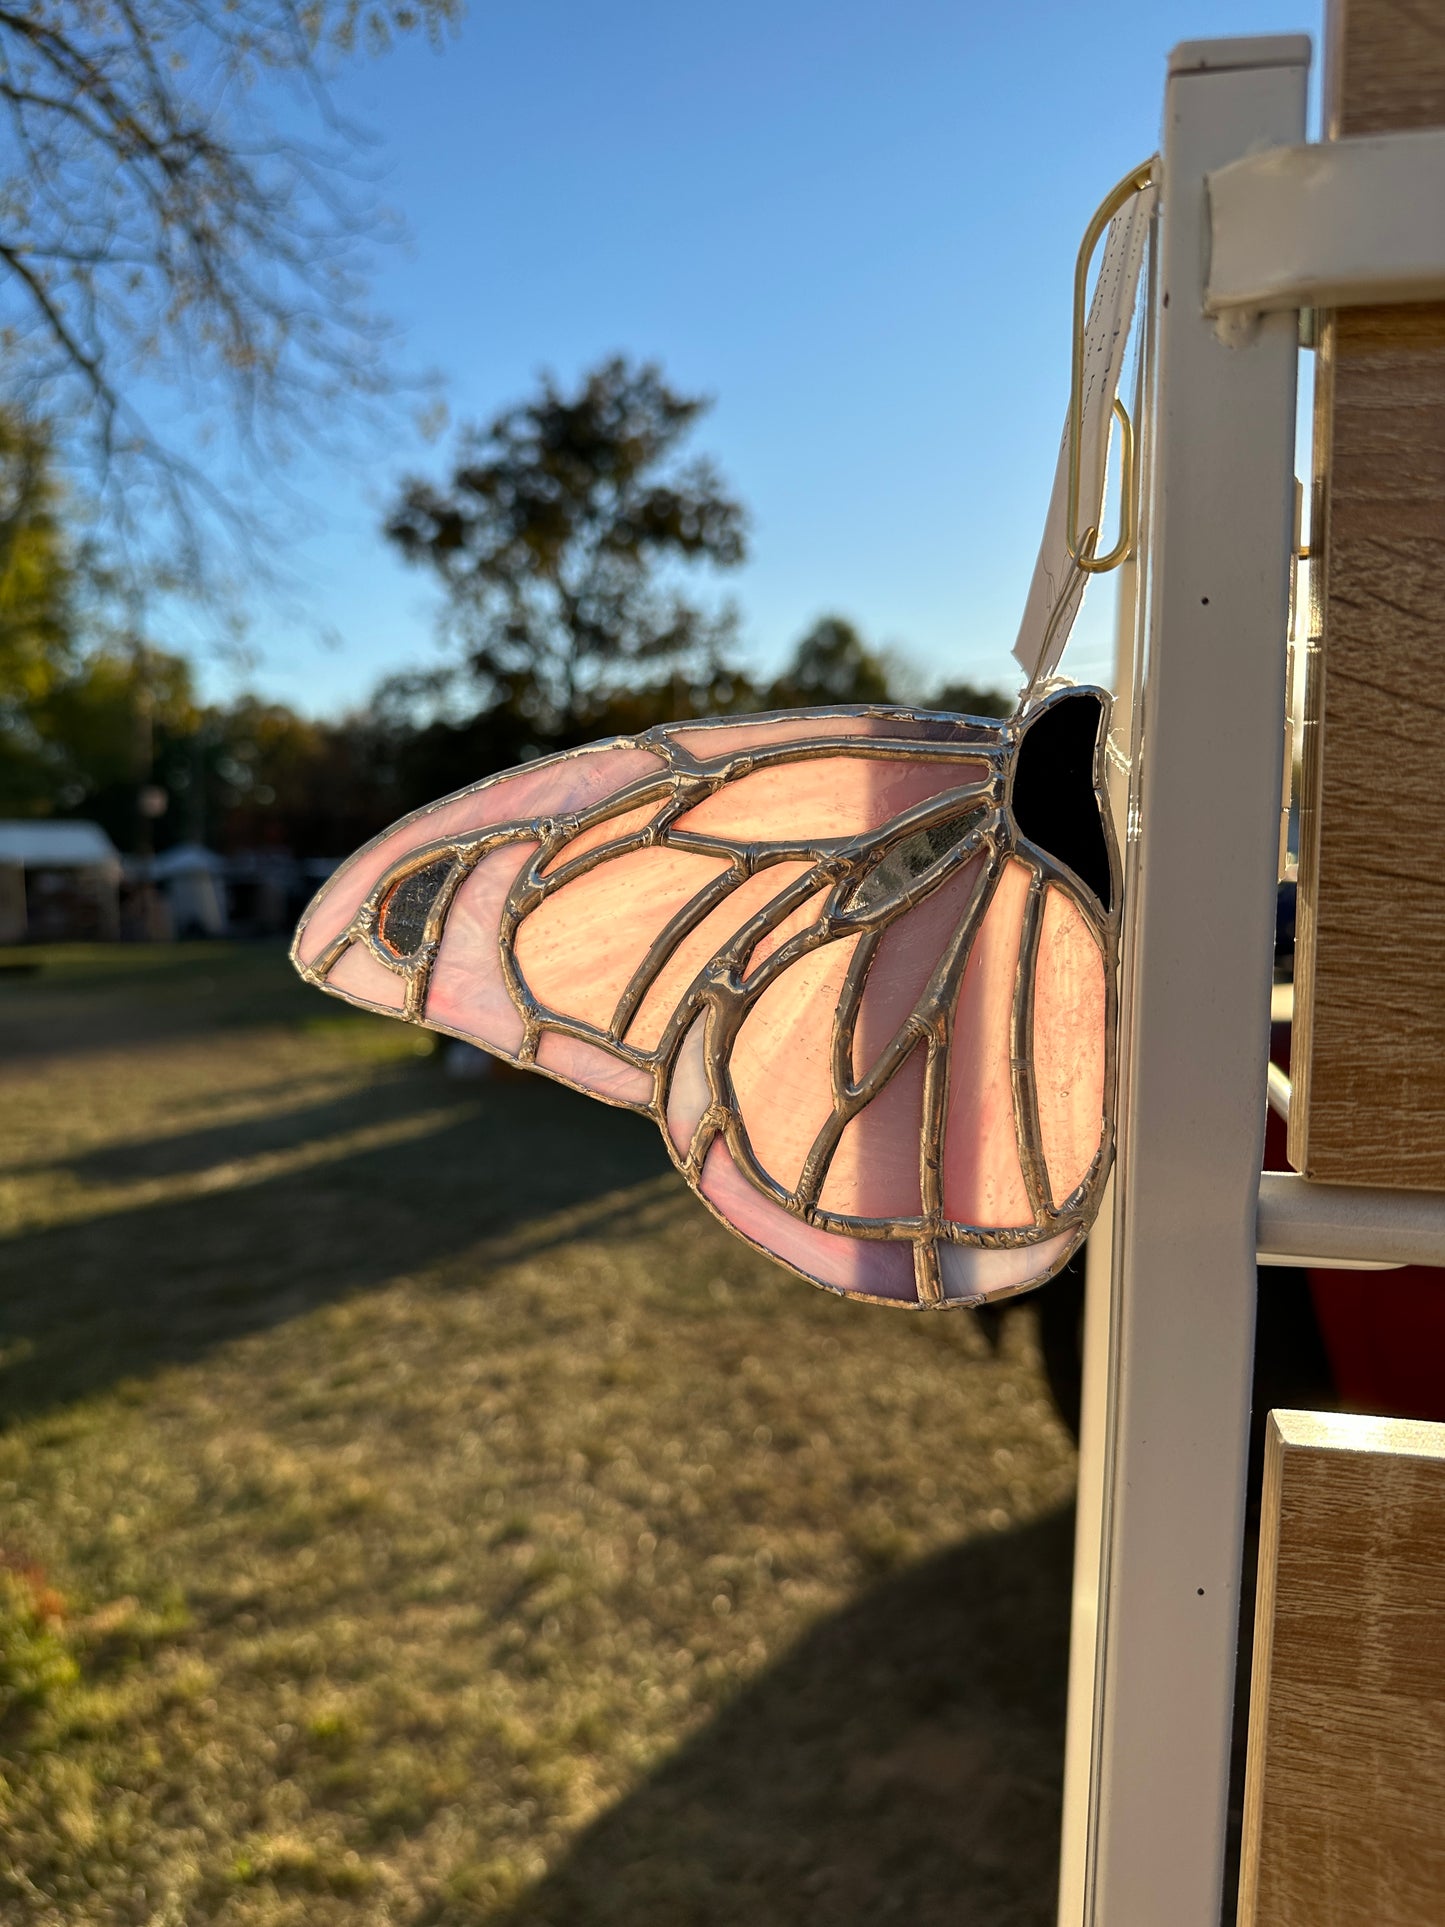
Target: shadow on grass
(119, 1294)
(902, 1762)
(130, 996)
(391, 1097)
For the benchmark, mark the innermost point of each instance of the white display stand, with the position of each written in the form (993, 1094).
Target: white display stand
(1169, 1328)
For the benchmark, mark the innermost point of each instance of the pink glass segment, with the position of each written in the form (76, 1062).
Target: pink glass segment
(822, 798)
(544, 788)
(580, 947)
(688, 1095)
(708, 741)
(697, 949)
(785, 929)
(358, 975)
(970, 1271)
(909, 952)
(879, 1267)
(875, 1169)
(467, 992)
(597, 1071)
(782, 1060)
(611, 830)
(983, 1181)
(1069, 1029)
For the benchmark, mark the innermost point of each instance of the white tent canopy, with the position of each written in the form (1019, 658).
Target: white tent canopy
(58, 846)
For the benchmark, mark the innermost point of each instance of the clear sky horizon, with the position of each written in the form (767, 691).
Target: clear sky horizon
(852, 225)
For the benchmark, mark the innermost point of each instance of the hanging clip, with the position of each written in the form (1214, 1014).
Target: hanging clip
(1081, 546)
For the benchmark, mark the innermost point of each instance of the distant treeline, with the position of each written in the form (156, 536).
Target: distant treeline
(123, 734)
(565, 543)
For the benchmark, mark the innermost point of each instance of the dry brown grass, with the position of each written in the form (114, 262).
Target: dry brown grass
(415, 1509)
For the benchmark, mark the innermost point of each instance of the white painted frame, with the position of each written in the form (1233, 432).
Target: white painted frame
(1252, 224)
(1163, 1464)
(1329, 223)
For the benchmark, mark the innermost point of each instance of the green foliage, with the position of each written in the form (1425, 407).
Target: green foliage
(99, 728)
(557, 539)
(37, 573)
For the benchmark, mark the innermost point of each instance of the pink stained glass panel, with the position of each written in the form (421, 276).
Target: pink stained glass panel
(672, 982)
(611, 830)
(881, 1268)
(908, 954)
(688, 1095)
(971, 1271)
(823, 798)
(357, 975)
(579, 948)
(782, 1060)
(548, 787)
(467, 992)
(596, 1070)
(793, 924)
(983, 1181)
(875, 1169)
(1070, 1013)
(709, 741)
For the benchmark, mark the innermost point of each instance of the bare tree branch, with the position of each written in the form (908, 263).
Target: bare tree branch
(182, 286)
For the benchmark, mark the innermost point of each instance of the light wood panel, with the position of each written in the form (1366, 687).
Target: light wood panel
(1369, 1046)
(1344, 1806)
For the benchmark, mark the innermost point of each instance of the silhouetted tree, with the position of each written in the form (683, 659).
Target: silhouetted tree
(832, 664)
(967, 699)
(557, 539)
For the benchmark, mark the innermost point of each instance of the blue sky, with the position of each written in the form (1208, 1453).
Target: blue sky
(853, 225)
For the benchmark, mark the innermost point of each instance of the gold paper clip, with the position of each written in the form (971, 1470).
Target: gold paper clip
(1081, 547)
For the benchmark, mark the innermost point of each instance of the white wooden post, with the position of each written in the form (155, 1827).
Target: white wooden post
(1169, 1453)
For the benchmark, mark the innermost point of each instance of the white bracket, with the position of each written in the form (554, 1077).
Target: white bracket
(1360, 1227)
(1331, 224)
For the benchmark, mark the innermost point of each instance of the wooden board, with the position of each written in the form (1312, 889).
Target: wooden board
(1344, 1805)
(1369, 1045)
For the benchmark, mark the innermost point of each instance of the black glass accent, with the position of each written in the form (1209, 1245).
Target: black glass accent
(1054, 803)
(405, 911)
(894, 875)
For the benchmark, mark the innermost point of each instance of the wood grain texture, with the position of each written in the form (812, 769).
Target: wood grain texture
(1369, 1048)
(1344, 1811)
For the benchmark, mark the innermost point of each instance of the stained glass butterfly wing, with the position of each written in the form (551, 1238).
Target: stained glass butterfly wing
(857, 964)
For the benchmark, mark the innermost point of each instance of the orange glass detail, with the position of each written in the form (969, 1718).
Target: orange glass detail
(579, 948)
(782, 1061)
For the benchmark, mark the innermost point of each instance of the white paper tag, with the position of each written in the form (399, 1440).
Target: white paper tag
(1058, 582)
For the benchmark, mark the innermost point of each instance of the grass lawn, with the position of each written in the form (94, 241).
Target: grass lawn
(415, 1509)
